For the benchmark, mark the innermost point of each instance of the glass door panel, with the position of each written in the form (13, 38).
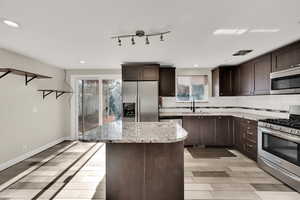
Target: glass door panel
(111, 101)
(88, 105)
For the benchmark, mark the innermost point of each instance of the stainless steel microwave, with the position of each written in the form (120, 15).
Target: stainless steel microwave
(286, 81)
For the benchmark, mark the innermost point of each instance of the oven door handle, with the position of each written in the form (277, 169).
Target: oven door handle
(279, 134)
(284, 172)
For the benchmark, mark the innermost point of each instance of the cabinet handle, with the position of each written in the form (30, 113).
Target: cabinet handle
(249, 145)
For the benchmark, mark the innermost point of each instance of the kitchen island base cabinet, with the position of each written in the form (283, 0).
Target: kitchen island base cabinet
(144, 171)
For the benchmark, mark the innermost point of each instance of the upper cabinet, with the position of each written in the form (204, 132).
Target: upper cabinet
(246, 79)
(236, 80)
(222, 81)
(167, 81)
(140, 72)
(262, 70)
(286, 57)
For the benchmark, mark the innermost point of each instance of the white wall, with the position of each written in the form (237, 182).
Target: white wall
(27, 121)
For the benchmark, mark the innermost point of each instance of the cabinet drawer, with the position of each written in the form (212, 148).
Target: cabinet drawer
(251, 135)
(251, 150)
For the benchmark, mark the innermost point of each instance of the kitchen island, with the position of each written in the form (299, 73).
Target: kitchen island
(144, 160)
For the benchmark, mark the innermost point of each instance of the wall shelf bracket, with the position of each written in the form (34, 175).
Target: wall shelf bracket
(58, 94)
(46, 92)
(28, 79)
(6, 73)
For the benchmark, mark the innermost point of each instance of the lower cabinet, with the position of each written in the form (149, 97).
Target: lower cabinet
(208, 130)
(222, 131)
(191, 125)
(245, 133)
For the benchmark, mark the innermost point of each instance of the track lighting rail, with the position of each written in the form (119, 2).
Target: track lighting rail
(140, 33)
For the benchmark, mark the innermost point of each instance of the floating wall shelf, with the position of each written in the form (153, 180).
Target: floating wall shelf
(58, 93)
(29, 76)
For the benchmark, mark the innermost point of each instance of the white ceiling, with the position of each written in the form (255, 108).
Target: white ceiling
(63, 32)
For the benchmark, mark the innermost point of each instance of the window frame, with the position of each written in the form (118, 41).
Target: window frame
(190, 89)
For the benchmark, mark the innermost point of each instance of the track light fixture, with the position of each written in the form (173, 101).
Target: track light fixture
(161, 37)
(140, 33)
(119, 42)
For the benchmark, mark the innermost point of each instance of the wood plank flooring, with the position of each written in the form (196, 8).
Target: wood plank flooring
(75, 170)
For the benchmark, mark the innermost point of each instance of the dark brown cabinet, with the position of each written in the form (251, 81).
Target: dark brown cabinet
(286, 57)
(191, 125)
(246, 79)
(224, 131)
(140, 72)
(262, 70)
(245, 134)
(208, 130)
(236, 81)
(222, 81)
(167, 81)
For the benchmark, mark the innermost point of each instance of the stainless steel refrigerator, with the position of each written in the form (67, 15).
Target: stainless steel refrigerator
(140, 101)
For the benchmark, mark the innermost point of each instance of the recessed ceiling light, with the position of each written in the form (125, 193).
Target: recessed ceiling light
(196, 65)
(82, 62)
(230, 31)
(11, 23)
(275, 30)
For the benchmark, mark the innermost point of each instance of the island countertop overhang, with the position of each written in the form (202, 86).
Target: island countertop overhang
(137, 132)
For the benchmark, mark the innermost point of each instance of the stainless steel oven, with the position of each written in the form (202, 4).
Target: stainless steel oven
(279, 154)
(286, 81)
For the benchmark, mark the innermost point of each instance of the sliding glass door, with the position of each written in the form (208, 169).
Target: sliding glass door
(99, 102)
(88, 105)
(111, 101)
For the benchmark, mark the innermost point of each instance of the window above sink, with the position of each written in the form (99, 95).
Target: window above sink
(193, 87)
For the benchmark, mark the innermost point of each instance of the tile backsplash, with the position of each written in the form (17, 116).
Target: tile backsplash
(274, 102)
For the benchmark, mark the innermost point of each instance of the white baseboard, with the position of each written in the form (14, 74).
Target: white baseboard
(31, 153)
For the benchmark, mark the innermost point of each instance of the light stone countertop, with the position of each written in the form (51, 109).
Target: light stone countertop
(234, 114)
(137, 132)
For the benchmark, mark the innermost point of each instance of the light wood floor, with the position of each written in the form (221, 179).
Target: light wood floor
(77, 171)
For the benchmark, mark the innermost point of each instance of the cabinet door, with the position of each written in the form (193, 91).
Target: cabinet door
(131, 73)
(286, 57)
(167, 82)
(236, 81)
(246, 79)
(224, 131)
(238, 143)
(226, 87)
(207, 130)
(216, 82)
(262, 70)
(150, 73)
(191, 125)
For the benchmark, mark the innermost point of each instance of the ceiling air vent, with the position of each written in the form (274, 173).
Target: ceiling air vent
(242, 52)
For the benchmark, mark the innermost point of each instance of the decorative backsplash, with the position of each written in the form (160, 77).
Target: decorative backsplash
(268, 103)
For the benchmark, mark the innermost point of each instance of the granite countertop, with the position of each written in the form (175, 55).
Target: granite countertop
(234, 114)
(137, 132)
